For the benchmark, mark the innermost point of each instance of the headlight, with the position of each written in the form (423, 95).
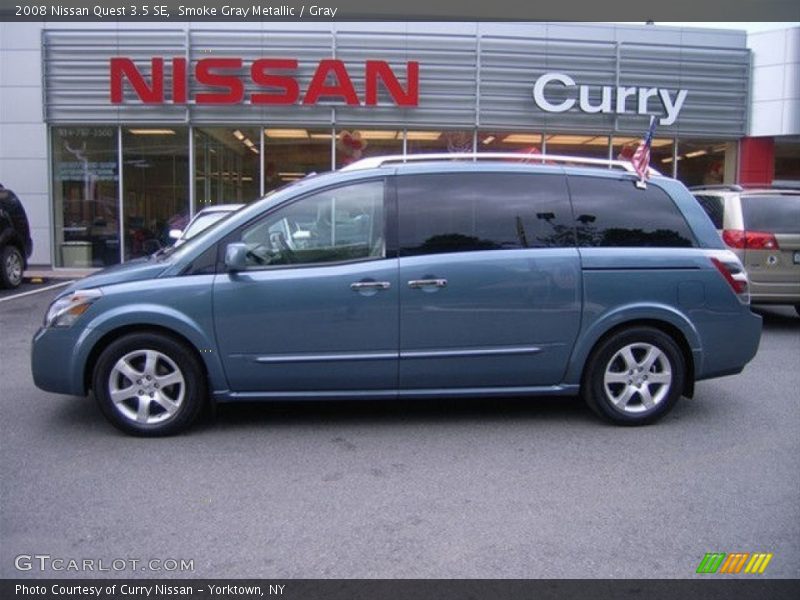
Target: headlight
(64, 311)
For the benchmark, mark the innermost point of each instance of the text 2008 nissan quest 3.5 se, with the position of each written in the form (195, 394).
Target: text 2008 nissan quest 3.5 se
(416, 277)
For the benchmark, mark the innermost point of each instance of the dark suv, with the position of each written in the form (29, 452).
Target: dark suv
(15, 239)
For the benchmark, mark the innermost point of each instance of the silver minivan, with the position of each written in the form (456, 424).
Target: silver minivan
(762, 227)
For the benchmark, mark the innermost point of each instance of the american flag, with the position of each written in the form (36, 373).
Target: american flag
(641, 158)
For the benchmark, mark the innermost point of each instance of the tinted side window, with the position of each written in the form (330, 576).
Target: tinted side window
(613, 212)
(462, 212)
(714, 207)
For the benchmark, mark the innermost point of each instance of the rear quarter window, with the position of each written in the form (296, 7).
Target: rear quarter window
(773, 214)
(614, 212)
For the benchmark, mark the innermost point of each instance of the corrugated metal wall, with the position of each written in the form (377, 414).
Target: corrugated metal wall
(466, 80)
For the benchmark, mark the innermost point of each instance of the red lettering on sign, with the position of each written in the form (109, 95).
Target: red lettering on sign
(378, 70)
(275, 76)
(149, 94)
(342, 88)
(179, 80)
(291, 91)
(205, 74)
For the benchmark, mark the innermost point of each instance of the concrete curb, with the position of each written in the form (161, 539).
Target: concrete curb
(57, 274)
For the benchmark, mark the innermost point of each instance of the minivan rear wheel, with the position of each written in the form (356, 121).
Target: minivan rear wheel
(11, 267)
(635, 376)
(149, 384)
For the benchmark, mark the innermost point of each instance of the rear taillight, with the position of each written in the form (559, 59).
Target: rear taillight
(734, 238)
(758, 240)
(736, 277)
(750, 240)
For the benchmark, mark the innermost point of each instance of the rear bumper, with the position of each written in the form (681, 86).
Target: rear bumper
(774, 293)
(727, 349)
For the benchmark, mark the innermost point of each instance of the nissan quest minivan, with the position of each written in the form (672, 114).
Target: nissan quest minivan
(416, 277)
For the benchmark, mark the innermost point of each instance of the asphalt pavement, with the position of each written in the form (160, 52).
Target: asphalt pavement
(450, 489)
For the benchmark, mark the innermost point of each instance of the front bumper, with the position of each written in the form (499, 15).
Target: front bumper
(57, 364)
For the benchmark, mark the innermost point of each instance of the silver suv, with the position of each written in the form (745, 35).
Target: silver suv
(762, 226)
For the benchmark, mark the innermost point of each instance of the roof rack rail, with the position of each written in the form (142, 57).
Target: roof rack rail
(731, 187)
(379, 161)
(777, 187)
(786, 184)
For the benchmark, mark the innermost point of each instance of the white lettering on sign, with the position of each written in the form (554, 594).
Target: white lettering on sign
(609, 97)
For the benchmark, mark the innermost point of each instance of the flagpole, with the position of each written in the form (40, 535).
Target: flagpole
(641, 158)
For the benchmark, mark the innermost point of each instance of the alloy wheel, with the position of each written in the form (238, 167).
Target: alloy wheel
(637, 378)
(146, 386)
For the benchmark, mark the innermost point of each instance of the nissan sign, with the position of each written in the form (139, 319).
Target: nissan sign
(275, 80)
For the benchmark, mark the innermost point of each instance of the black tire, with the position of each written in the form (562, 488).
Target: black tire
(797, 309)
(643, 394)
(145, 407)
(12, 264)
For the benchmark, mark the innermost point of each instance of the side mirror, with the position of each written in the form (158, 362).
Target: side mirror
(175, 233)
(236, 257)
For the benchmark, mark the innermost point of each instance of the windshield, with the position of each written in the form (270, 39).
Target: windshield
(203, 221)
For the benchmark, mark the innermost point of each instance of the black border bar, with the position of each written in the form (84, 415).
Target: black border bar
(410, 10)
(712, 588)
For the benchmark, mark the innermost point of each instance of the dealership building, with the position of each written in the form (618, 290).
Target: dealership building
(111, 134)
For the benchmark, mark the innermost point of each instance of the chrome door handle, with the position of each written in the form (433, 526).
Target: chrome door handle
(416, 284)
(370, 285)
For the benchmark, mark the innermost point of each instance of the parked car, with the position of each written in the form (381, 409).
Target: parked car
(16, 245)
(416, 277)
(762, 226)
(204, 218)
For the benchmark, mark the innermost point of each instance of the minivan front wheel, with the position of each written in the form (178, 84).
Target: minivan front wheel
(149, 384)
(11, 267)
(635, 376)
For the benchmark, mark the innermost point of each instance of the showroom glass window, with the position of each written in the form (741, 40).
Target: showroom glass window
(787, 159)
(466, 212)
(356, 143)
(702, 162)
(291, 154)
(585, 146)
(507, 141)
(227, 165)
(86, 201)
(451, 141)
(336, 225)
(614, 212)
(155, 177)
